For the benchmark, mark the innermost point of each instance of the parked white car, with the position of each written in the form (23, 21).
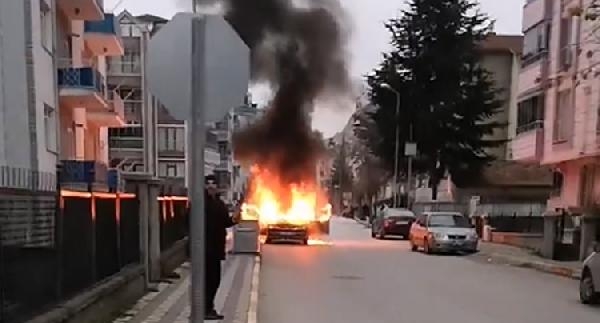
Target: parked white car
(589, 285)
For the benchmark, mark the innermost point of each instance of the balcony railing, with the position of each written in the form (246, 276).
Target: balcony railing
(107, 26)
(86, 77)
(538, 124)
(116, 67)
(126, 143)
(83, 172)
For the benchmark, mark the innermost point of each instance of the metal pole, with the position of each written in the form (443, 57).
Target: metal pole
(397, 152)
(409, 171)
(197, 142)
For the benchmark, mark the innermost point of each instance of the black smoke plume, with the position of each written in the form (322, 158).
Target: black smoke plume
(299, 49)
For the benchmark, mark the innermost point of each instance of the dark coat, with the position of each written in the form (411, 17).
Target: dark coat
(217, 222)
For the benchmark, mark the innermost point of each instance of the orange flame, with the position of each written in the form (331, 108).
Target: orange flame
(271, 201)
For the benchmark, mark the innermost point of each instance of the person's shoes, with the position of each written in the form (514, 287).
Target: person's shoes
(213, 316)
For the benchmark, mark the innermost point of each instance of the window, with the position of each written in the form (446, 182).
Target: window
(535, 42)
(46, 31)
(129, 29)
(50, 128)
(563, 117)
(449, 221)
(530, 114)
(171, 139)
(172, 169)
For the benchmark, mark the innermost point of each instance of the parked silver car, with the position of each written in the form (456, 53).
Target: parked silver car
(443, 232)
(589, 285)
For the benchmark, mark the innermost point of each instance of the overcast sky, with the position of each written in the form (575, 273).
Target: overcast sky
(369, 38)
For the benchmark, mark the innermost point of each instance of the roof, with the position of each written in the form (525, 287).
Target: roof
(151, 18)
(503, 43)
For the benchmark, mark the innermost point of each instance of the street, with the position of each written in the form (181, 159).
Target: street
(359, 279)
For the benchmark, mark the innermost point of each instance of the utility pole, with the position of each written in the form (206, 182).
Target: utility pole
(397, 143)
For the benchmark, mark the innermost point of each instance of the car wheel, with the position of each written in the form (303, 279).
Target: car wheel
(381, 235)
(305, 242)
(372, 233)
(268, 240)
(587, 294)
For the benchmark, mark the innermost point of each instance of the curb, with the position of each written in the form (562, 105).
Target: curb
(253, 306)
(540, 266)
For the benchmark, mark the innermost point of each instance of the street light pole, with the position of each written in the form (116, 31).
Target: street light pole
(397, 144)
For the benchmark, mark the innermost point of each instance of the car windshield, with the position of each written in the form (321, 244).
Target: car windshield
(399, 214)
(449, 220)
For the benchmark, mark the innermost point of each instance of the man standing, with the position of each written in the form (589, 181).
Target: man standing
(217, 222)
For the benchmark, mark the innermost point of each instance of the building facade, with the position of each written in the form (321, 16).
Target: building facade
(558, 118)
(28, 93)
(53, 63)
(501, 56)
(153, 142)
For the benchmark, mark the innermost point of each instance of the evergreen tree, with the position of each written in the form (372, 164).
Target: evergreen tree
(446, 95)
(341, 174)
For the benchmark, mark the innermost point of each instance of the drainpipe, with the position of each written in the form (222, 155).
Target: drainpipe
(575, 80)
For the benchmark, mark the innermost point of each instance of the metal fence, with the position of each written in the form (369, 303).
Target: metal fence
(52, 247)
(173, 220)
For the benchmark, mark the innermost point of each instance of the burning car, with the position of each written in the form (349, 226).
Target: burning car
(286, 212)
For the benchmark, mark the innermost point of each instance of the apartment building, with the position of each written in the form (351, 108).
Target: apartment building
(153, 141)
(558, 117)
(85, 37)
(29, 147)
(231, 175)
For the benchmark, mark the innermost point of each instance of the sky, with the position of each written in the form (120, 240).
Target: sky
(368, 41)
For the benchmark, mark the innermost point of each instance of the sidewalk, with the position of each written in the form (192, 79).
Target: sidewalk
(170, 304)
(518, 257)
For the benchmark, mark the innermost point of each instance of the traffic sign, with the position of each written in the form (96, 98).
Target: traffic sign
(223, 66)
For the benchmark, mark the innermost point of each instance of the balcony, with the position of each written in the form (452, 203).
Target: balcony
(91, 10)
(223, 135)
(528, 146)
(102, 37)
(81, 86)
(123, 68)
(225, 166)
(83, 175)
(114, 116)
(122, 143)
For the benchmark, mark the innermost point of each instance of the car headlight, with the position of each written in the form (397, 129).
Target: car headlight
(439, 236)
(472, 236)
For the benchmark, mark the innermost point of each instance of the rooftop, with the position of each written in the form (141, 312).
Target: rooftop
(503, 43)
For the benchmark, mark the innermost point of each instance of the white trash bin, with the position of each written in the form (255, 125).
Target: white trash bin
(246, 237)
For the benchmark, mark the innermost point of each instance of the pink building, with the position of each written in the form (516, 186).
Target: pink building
(558, 120)
(85, 37)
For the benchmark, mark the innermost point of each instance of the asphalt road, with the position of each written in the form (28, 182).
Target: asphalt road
(359, 279)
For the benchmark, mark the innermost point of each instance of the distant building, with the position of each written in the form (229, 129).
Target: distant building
(231, 175)
(501, 56)
(167, 158)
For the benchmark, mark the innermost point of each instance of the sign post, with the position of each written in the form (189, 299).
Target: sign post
(198, 68)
